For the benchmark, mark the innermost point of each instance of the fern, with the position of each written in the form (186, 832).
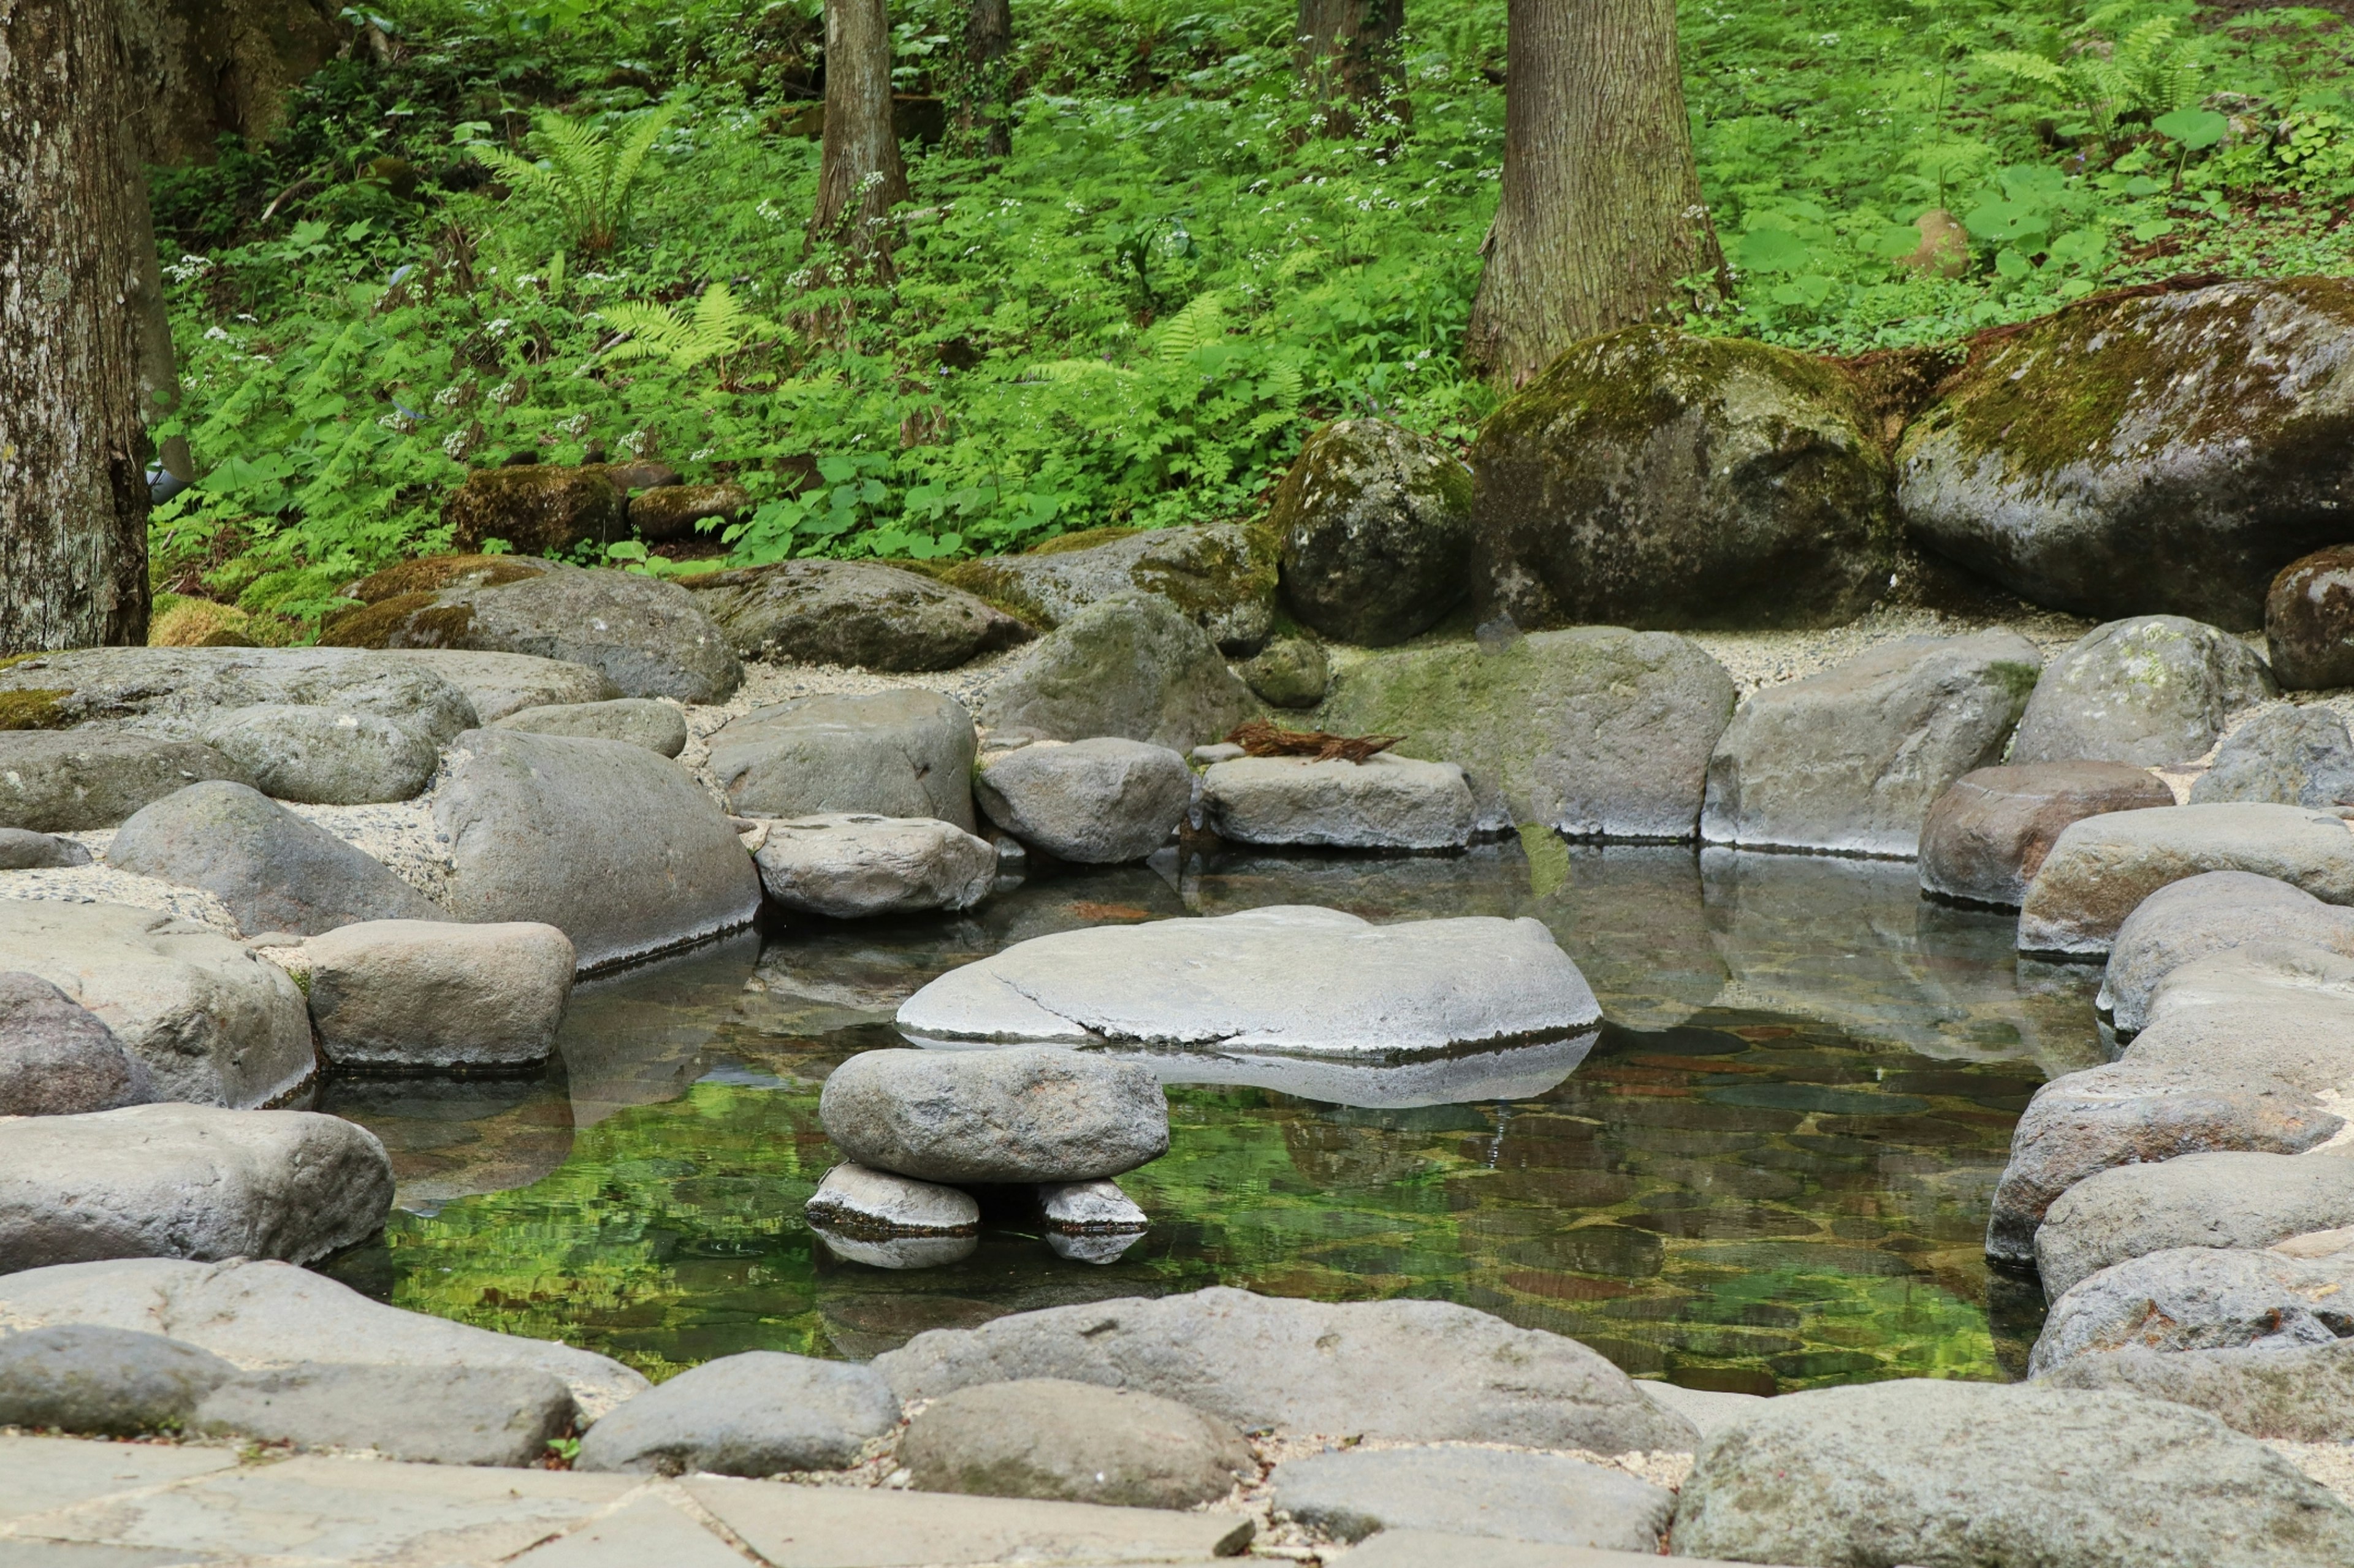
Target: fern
(1202, 321)
(583, 171)
(2148, 70)
(718, 327)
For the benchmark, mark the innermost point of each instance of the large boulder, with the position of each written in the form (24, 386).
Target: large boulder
(1597, 732)
(2154, 689)
(2100, 869)
(1024, 1114)
(537, 509)
(1373, 530)
(2138, 453)
(2214, 912)
(649, 638)
(848, 865)
(1653, 479)
(1851, 760)
(2256, 1011)
(420, 993)
(460, 1415)
(890, 753)
(1094, 802)
(1385, 802)
(99, 1381)
(1416, 1371)
(1349, 1494)
(208, 1022)
(1132, 666)
(748, 1414)
(273, 870)
(864, 613)
(265, 1314)
(192, 1181)
(78, 781)
(2309, 620)
(1299, 980)
(1219, 576)
(658, 727)
(2296, 756)
(1986, 837)
(614, 846)
(2201, 1298)
(323, 755)
(2228, 1199)
(2301, 1395)
(1073, 1442)
(1970, 1475)
(177, 693)
(498, 685)
(59, 1058)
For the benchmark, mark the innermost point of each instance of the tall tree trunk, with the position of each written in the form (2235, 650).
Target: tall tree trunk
(1348, 56)
(860, 176)
(75, 259)
(1600, 211)
(985, 109)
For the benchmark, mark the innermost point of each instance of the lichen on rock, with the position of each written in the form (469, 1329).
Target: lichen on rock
(1372, 524)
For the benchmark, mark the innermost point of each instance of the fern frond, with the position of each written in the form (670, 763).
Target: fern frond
(2032, 68)
(1202, 320)
(1072, 369)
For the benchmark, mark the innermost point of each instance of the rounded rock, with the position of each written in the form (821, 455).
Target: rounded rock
(1094, 802)
(59, 1058)
(658, 727)
(750, 1414)
(2309, 620)
(1025, 1113)
(430, 993)
(2153, 689)
(1986, 837)
(1073, 1442)
(1373, 530)
(1289, 673)
(323, 755)
(111, 1383)
(2295, 756)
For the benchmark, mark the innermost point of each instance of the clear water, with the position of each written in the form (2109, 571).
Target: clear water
(1769, 1170)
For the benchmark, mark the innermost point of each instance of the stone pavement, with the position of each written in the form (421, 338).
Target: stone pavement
(69, 1503)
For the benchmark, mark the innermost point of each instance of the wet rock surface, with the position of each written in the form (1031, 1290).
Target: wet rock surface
(894, 754)
(1074, 1442)
(1024, 1114)
(864, 613)
(750, 1414)
(1373, 528)
(1218, 576)
(1474, 1491)
(848, 865)
(1093, 802)
(463, 1415)
(1986, 837)
(59, 1058)
(1131, 666)
(2154, 689)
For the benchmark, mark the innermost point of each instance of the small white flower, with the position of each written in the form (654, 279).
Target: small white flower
(499, 328)
(215, 335)
(506, 394)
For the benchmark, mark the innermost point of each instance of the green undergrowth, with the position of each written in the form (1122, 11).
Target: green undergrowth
(1133, 321)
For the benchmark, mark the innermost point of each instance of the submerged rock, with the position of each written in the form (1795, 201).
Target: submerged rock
(1216, 575)
(894, 754)
(1986, 837)
(1131, 666)
(2139, 453)
(1073, 1442)
(754, 1414)
(1024, 1114)
(864, 613)
(848, 865)
(1373, 528)
(1653, 479)
(2154, 689)
(1285, 978)
(1094, 802)
(1351, 1493)
(1383, 802)
(2296, 756)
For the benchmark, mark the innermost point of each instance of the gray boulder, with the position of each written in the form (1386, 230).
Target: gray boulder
(1026, 1114)
(1073, 1442)
(2299, 997)
(2101, 869)
(187, 1181)
(1373, 529)
(275, 871)
(848, 865)
(750, 1414)
(80, 779)
(862, 613)
(258, 1314)
(1097, 801)
(1851, 760)
(1090, 1209)
(2303, 1394)
(498, 685)
(177, 693)
(1132, 666)
(641, 721)
(1350, 1494)
(99, 1381)
(2228, 1199)
(59, 1058)
(323, 755)
(1288, 979)
(23, 850)
(616, 847)
(877, 1205)
(894, 754)
(2131, 1113)
(1217, 575)
(1983, 1475)
(460, 1415)
(209, 1022)
(2203, 445)
(1597, 732)
(1709, 1409)
(2201, 1298)
(2214, 912)
(1986, 837)
(1386, 801)
(2297, 757)
(2156, 688)
(418, 993)
(1648, 477)
(1289, 673)
(1418, 1371)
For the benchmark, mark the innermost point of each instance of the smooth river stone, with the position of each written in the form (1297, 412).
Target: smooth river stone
(1289, 977)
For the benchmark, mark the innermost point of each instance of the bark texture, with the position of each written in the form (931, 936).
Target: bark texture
(1600, 211)
(1348, 54)
(203, 67)
(77, 279)
(984, 108)
(860, 175)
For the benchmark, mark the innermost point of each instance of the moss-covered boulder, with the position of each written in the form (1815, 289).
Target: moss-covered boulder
(1599, 732)
(1653, 479)
(1372, 531)
(2157, 454)
(535, 508)
(1289, 673)
(1221, 576)
(865, 613)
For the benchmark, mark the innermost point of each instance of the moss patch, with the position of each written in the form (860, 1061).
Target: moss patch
(410, 620)
(1085, 539)
(34, 707)
(433, 573)
(179, 622)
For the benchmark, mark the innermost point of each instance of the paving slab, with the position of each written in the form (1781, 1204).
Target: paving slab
(38, 1475)
(819, 1527)
(648, 1532)
(1430, 1549)
(81, 1555)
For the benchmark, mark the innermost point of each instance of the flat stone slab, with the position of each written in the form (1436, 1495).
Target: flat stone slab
(460, 1415)
(1436, 1548)
(1291, 979)
(45, 1473)
(649, 1531)
(1351, 1494)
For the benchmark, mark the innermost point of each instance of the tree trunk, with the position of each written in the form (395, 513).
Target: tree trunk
(76, 261)
(202, 67)
(860, 176)
(1600, 211)
(984, 110)
(1348, 56)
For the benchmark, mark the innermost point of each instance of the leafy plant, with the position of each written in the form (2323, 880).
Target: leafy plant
(584, 171)
(2148, 69)
(719, 326)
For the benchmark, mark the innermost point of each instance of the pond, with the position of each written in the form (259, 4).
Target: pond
(1768, 1170)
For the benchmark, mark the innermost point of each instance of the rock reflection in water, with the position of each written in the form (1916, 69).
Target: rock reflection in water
(1516, 1072)
(1093, 1247)
(638, 1036)
(897, 1252)
(453, 1137)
